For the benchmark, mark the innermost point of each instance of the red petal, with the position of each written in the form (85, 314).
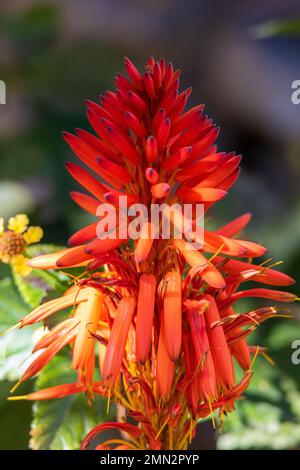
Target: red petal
(87, 203)
(87, 181)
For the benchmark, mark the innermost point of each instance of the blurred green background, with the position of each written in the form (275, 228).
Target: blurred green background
(54, 54)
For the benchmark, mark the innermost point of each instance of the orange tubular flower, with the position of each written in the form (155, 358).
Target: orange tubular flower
(165, 366)
(173, 314)
(170, 361)
(117, 341)
(144, 316)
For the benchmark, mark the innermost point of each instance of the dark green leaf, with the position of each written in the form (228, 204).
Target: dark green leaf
(62, 424)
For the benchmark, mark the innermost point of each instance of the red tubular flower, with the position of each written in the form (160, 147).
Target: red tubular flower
(174, 355)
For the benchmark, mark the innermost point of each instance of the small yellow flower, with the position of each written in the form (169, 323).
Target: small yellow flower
(15, 239)
(19, 266)
(19, 223)
(33, 235)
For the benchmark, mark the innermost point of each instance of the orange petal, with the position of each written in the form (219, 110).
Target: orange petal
(58, 391)
(160, 190)
(173, 314)
(207, 375)
(50, 260)
(218, 345)
(277, 295)
(56, 332)
(117, 341)
(200, 194)
(47, 355)
(165, 367)
(73, 257)
(194, 258)
(267, 276)
(89, 314)
(145, 313)
(145, 242)
(45, 310)
(239, 349)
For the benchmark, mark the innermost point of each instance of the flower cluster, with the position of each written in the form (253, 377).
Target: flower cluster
(159, 317)
(14, 241)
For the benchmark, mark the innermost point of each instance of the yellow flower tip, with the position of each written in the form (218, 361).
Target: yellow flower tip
(19, 265)
(19, 397)
(33, 235)
(15, 386)
(19, 223)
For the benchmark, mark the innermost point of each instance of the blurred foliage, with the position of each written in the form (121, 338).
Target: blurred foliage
(269, 415)
(50, 79)
(285, 28)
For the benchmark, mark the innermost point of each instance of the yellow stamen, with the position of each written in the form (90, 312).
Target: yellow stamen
(191, 431)
(15, 387)
(162, 428)
(19, 397)
(268, 358)
(212, 414)
(254, 357)
(221, 421)
(108, 402)
(170, 438)
(217, 252)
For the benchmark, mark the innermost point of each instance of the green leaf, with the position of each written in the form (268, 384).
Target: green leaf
(15, 346)
(63, 423)
(14, 416)
(40, 284)
(37, 286)
(12, 307)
